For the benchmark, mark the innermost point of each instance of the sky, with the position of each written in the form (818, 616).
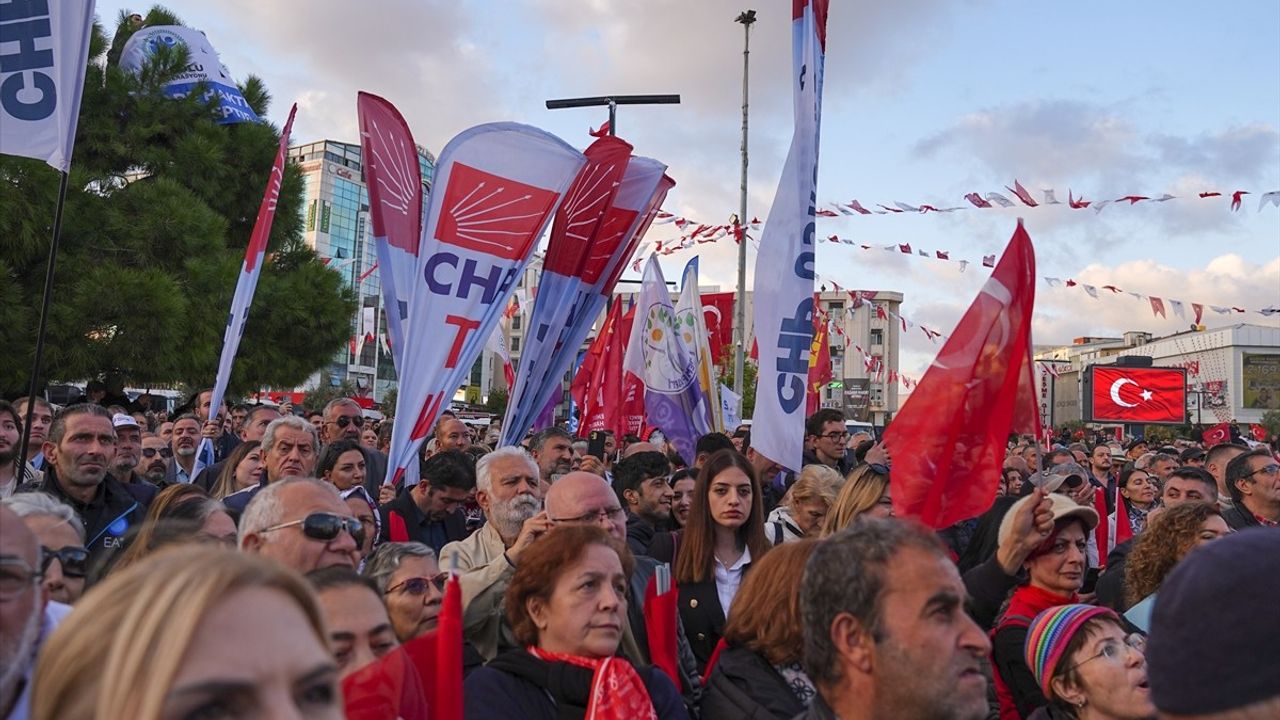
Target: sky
(924, 101)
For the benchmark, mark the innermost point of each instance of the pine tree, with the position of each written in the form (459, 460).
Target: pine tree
(160, 206)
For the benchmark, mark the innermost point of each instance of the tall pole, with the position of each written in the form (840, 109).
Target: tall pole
(44, 323)
(740, 310)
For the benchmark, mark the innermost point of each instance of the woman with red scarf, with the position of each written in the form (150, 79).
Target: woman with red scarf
(1055, 572)
(567, 604)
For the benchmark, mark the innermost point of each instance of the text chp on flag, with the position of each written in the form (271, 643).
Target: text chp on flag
(641, 189)
(44, 50)
(246, 285)
(394, 179)
(784, 270)
(949, 439)
(1140, 395)
(496, 188)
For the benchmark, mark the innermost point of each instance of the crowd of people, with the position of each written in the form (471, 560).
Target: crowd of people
(137, 583)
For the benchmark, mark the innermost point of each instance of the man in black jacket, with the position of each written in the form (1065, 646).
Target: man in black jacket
(1253, 479)
(431, 511)
(80, 448)
(640, 482)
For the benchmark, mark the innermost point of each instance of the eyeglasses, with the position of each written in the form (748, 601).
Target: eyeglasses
(165, 452)
(326, 527)
(16, 576)
(1115, 651)
(345, 420)
(1272, 469)
(74, 560)
(418, 585)
(834, 436)
(612, 513)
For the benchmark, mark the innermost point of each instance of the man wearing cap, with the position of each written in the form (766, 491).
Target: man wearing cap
(1055, 573)
(1191, 457)
(1212, 653)
(1135, 449)
(128, 453)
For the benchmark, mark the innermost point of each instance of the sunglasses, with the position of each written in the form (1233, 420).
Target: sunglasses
(74, 560)
(326, 527)
(418, 585)
(345, 420)
(151, 452)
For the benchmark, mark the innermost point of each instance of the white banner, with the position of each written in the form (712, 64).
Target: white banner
(496, 188)
(730, 408)
(784, 265)
(44, 50)
(203, 68)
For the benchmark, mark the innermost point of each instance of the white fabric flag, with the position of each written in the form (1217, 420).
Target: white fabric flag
(44, 50)
(730, 408)
(784, 265)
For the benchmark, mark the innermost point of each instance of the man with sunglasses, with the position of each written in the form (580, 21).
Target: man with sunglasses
(27, 616)
(430, 512)
(64, 559)
(343, 420)
(1253, 479)
(155, 459)
(302, 523)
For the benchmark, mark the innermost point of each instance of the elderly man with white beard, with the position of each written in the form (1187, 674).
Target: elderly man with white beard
(508, 493)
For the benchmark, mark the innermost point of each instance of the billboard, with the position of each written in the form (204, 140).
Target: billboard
(1138, 395)
(1260, 381)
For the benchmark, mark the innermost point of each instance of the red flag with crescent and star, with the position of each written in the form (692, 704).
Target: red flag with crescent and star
(1139, 395)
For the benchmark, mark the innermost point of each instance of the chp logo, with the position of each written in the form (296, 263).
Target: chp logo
(490, 214)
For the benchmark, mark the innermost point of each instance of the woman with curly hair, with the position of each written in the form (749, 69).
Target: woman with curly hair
(1170, 536)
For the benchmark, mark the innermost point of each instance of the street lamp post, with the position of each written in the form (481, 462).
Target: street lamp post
(746, 18)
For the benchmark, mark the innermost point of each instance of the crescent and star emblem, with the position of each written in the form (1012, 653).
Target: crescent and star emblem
(1115, 393)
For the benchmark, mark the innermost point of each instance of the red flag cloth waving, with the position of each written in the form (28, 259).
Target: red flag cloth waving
(1216, 435)
(660, 624)
(1139, 395)
(948, 440)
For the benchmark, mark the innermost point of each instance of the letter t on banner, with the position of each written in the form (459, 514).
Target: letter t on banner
(784, 267)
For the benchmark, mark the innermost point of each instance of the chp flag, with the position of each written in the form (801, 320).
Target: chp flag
(784, 264)
(394, 178)
(44, 51)
(496, 189)
(246, 285)
(1140, 395)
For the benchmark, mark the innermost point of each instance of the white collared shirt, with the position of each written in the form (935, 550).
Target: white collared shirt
(728, 579)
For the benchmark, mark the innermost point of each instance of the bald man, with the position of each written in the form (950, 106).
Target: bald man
(587, 499)
(639, 447)
(26, 617)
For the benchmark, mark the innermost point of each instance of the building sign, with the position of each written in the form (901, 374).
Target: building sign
(311, 216)
(1260, 378)
(857, 398)
(324, 216)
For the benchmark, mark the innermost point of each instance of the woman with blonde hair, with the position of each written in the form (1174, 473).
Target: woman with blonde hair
(805, 506)
(178, 514)
(865, 491)
(201, 632)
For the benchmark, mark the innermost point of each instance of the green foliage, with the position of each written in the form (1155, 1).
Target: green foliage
(1157, 435)
(749, 372)
(161, 202)
(497, 403)
(319, 396)
(1271, 421)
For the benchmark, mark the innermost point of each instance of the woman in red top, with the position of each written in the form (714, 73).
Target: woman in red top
(1054, 574)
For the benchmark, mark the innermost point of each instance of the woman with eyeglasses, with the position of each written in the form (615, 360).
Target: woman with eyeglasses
(724, 535)
(567, 606)
(343, 464)
(242, 469)
(1170, 535)
(1054, 574)
(56, 525)
(1140, 494)
(865, 491)
(1086, 666)
(191, 633)
(411, 584)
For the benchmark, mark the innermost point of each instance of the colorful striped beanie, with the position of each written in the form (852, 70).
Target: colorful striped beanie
(1049, 633)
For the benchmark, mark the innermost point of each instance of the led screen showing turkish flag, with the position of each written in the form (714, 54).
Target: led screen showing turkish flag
(1136, 394)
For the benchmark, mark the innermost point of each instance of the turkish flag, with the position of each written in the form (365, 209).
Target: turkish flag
(1139, 395)
(948, 440)
(1258, 432)
(717, 309)
(1216, 435)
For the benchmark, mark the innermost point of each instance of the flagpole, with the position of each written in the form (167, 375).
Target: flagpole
(44, 320)
(740, 312)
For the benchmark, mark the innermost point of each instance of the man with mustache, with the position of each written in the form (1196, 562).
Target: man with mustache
(290, 448)
(185, 444)
(155, 459)
(80, 449)
(508, 492)
(128, 454)
(553, 450)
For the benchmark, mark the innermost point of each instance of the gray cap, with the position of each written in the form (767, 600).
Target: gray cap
(1056, 475)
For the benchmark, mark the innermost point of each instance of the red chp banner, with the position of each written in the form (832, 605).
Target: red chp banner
(1136, 395)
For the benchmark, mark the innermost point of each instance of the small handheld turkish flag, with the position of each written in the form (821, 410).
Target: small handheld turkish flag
(1216, 435)
(1258, 432)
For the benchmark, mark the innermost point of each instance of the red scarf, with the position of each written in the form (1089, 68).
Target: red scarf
(617, 693)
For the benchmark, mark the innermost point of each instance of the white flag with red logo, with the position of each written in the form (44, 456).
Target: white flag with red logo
(395, 207)
(496, 188)
(254, 255)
